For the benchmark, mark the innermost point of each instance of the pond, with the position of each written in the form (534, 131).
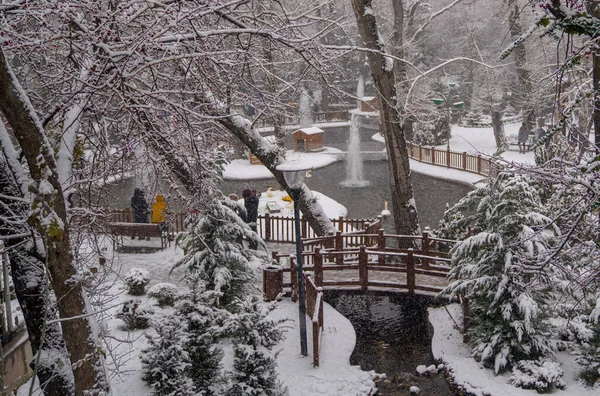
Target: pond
(393, 336)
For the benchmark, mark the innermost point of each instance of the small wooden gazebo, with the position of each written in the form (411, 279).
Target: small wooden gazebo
(308, 139)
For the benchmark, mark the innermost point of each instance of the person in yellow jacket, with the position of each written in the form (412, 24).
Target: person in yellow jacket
(159, 209)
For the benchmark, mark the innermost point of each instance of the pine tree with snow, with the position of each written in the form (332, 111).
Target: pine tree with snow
(498, 269)
(216, 244)
(254, 335)
(202, 317)
(164, 361)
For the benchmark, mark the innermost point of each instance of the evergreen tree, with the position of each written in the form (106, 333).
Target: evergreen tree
(201, 316)
(165, 362)
(254, 335)
(216, 249)
(498, 269)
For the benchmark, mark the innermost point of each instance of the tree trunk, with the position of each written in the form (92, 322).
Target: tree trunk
(404, 207)
(498, 128)
(50, 220)
(523, 92)
(29, 278)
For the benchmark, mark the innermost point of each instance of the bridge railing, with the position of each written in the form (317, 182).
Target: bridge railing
(314, 309)
(453, 159)
(419, 267)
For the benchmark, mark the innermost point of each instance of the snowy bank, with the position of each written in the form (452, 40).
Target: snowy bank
(471, 376)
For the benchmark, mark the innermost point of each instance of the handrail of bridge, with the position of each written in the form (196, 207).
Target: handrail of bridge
(314, 309)
(426, 261)
(453, 159)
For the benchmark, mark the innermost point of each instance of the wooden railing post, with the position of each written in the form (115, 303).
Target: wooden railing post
(465, 311)
(294, 277)
(448, 157)
(267, 220)
(432, 155)
(425, 248)
(275, 257)
(321, 315)
(128, 216)
(304, 229)
(318, 267)
(479, 163)
(464, 160)
(410, 272)
(363, 270)
(316, 332)
(339, 246)
(381, 247)
(341, 223)
(420, 153)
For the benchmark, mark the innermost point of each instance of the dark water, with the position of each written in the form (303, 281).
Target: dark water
(393, 336)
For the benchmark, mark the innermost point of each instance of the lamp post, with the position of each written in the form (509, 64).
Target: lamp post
(294, 174)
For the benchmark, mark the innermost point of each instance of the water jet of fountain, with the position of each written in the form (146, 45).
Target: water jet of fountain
(354, 165)
(304, 109)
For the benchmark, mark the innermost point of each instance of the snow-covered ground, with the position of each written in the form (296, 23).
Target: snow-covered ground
(334, 376)
(472, 376)
(332, 208)
(241, 169)
(473, 141)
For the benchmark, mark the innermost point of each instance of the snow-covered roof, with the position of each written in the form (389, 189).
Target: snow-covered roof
(367, 98)
(309, 131)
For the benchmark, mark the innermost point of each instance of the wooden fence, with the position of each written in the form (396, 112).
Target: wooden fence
(314, 310)
(270, 228)
(453, 159)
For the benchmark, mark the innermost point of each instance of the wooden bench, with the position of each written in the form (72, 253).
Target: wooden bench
(140, 230)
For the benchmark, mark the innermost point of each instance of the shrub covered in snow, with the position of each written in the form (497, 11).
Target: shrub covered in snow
(216, 249)
(135, 316)
(165, 362)
(136, 280)
(508, 302)
(198, 311)
(165, 294)
(543, 376)
(254, 335)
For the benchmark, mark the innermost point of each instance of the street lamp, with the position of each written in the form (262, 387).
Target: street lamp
(294, 173)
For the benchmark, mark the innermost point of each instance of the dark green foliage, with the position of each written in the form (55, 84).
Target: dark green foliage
(215, 242)
(164, 362)
(496, 269)
(134, 316)
(254, 335)
(198, 312)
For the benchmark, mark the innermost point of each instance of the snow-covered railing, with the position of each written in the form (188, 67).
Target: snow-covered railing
(380, 265)
(484, 166)
(270, 228)
(314, 309)
(281, 229)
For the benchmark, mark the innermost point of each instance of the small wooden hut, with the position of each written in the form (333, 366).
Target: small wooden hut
(308, 139)
(369, 104)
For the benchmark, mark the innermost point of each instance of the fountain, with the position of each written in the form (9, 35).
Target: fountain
(354, 165)
(305, 115)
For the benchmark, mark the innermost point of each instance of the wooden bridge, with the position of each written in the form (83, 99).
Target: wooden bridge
(362, 261)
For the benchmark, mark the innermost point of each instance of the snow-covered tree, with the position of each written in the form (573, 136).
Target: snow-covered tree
(164, 361)
(497, 269)
(216, 242)
(198, 312)
(253, 335)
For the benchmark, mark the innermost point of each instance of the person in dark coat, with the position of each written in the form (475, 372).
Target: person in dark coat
(139, 206)
(522, 138)
(251, 205)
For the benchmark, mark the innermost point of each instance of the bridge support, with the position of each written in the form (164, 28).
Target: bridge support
(410, 272)
(363, 271)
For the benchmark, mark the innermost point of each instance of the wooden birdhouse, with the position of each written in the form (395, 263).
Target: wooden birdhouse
(308, 139)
